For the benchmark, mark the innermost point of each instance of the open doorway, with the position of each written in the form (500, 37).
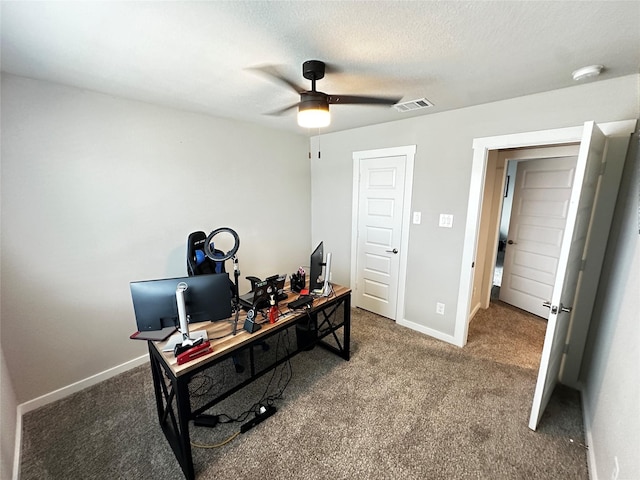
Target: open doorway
(577, 279)
(523, 215)
(535, 203)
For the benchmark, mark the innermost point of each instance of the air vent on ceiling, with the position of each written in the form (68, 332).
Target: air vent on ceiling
(413, 105)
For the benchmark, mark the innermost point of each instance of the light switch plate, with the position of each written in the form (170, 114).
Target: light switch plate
(446, 220)
(417, 217)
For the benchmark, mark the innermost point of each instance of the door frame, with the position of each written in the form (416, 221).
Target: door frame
(408, 152)
(482, 148)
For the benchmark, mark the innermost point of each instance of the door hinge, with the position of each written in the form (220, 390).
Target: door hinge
(566, 348)
(603, 167)
(583, 264)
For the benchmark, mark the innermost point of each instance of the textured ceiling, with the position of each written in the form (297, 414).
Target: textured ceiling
(199, 56)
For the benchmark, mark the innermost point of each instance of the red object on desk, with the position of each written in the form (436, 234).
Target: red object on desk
(304, 291)
(273, 314)
(195, 352)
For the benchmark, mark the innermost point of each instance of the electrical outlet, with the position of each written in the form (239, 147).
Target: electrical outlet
(440, 308)
(417, 217)
(616, 469)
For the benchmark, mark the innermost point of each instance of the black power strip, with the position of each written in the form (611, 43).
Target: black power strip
(268, 411)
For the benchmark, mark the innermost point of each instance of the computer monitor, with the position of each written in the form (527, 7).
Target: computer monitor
(315, 268)
(207, 298)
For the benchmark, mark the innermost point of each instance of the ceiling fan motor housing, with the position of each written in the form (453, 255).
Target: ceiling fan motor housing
(313, 101)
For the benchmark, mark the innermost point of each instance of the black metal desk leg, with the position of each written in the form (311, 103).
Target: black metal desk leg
(176, 432)
(347, 327)
(184, 411)
(156, 373)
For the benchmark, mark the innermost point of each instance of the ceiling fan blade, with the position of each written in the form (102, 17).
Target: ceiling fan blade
(359, 99)
(272, 72)
(283, 110)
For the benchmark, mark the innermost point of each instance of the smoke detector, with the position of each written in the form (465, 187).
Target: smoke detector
(586, 72)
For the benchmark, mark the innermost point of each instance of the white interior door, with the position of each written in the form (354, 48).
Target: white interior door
(379, 233)
(538, 217)
(573, 252)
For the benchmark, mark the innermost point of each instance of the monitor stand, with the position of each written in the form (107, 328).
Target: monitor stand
(187, 341)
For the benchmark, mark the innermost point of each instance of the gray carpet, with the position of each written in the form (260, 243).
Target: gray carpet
(404, 407)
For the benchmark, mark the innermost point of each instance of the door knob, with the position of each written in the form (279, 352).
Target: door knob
(511, 242)
(395, 250)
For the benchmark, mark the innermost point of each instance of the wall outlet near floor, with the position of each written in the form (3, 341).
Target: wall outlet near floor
(417, 218)
(440, 308)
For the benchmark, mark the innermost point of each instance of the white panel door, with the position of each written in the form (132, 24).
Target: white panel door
(573, 252)
(538, 217)
(380, 209)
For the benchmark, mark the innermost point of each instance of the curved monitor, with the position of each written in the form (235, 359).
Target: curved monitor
(207, 298)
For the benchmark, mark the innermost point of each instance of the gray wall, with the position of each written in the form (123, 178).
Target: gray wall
(441, 180)
(610, 372)
(99, 191)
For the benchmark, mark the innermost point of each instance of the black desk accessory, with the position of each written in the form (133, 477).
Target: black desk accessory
(298, 281)
(300, 302)
(250, 324)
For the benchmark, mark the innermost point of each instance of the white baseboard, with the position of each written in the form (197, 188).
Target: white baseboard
(16, 452)
(588, 437)
(427, 331)
(80, 385)
(62, 393)
(474, 310)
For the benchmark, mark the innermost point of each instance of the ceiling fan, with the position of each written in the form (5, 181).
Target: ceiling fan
(313, 107)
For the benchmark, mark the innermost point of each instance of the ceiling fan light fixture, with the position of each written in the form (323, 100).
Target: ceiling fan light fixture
(316, 117)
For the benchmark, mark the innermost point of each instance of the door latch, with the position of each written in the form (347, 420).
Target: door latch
(565, 309)
(554, 309)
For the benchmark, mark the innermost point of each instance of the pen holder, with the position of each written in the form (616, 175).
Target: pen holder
(298, 282)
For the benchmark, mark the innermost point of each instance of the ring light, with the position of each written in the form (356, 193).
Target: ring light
(230, 253)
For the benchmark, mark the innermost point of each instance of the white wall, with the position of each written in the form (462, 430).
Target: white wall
(441, 180)
(610, 373)
(99, 191)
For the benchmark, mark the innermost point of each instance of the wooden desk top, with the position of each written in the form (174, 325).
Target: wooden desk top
(223, 341)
